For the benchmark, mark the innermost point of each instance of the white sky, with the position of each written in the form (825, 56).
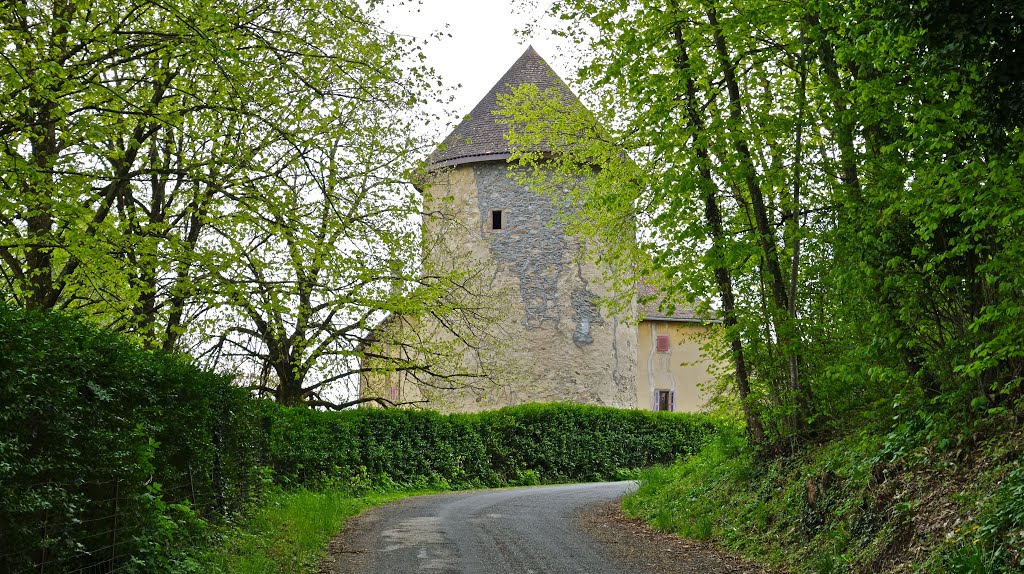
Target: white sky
(482, 46)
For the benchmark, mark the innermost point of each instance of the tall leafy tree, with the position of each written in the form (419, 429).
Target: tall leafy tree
(726, 171)
(121, 129)
(315, 266)
(850, 196)
(227, 178)
(937, 225)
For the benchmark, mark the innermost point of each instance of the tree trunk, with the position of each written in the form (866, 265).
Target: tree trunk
(793, 226)
(841, 124)
(784, 322)
(713, 215)
(39, 223)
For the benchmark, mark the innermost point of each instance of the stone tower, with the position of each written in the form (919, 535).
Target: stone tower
(563, 347)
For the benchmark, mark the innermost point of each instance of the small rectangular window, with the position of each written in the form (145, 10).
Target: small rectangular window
(496, 219)
(665, 401)
(663, 343)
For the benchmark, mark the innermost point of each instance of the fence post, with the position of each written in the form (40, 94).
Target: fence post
(42, 558)
(220, 500)
(113, 546)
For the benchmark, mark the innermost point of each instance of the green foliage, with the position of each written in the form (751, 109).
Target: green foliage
(725, 494)
(287, 534)
(101, 437)
(527, 444)
(857, 504)
(993, 543)
(687, 497)
(936, 235)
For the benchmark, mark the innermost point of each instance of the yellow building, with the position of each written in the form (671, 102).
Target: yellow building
(674, 368)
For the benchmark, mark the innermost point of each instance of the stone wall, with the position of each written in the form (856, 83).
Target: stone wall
(561, 346)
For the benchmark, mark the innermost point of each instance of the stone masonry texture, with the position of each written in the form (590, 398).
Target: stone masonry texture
(566, 350)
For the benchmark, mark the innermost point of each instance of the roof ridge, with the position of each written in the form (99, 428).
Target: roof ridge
(479, 136)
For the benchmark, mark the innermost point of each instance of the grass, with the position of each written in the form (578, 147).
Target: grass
(860, 503)
(287, 534)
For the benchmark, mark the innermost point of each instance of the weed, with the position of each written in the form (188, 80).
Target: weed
(851, 505)
(973, 559)
(286, 535)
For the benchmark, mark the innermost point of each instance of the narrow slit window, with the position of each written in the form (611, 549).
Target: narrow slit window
(497, 219)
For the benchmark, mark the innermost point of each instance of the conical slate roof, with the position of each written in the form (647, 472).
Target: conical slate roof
(480, 137)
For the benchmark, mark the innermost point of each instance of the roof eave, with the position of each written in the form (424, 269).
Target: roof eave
(696, 320)
(456, 161)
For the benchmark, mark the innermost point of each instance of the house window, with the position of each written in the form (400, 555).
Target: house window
(662, 343)
(497, 219)
(664, 400)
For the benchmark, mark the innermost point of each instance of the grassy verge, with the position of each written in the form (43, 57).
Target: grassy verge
(287, 534)
(861, 503)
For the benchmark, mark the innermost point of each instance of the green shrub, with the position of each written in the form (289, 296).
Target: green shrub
(112, 457)
(101, 442)
(537, 443)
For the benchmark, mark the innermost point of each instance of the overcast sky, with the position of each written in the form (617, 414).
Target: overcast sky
(482, 46)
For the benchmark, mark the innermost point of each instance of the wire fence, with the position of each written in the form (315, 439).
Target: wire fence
(99, 528)
(107, 525)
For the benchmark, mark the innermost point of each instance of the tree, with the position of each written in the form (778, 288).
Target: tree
(119, 137)
(847, 194)
(727, 180)
(221, 179)
(321, 262)
(938, 224)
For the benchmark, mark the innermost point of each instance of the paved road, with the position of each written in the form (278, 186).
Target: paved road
(521, 531)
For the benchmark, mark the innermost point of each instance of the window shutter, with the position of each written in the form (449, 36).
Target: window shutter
(672, 401)
(663, 400)
(654, 400)
(662, 343)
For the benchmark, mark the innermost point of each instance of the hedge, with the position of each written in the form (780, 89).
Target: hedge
(108, 452)
(555, 442)
(98, 437)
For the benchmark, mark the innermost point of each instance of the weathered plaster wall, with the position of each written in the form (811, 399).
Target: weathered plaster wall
(684, 369)
(561, 347)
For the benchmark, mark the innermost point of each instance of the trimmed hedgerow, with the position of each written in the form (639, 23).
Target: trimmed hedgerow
(565, 442)
(112, 456)
(530, 443)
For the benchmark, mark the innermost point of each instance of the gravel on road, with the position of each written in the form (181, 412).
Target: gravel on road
(634, 544)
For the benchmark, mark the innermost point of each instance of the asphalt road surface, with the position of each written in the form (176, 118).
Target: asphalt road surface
(518, 530)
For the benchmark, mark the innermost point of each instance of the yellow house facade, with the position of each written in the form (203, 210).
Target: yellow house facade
(673, 370)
